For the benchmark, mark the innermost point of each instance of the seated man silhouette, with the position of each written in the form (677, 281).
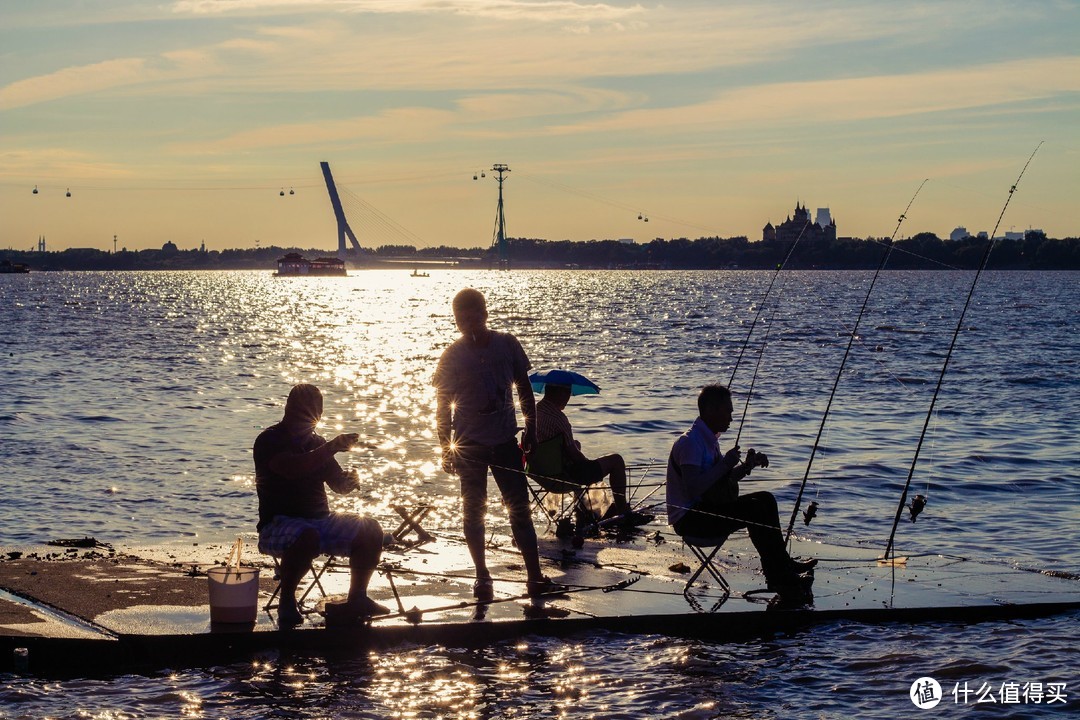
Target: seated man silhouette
(703, 496)
(562, 467)
(292, 466)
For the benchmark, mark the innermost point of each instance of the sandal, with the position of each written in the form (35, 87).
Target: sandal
(544, 586)
(483, 590)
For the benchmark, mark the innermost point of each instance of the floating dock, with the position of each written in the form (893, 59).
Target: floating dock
(96, 611)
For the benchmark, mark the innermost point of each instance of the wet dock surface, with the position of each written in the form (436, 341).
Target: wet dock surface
(635, 582)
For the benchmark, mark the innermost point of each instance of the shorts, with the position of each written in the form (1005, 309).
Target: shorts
(337, 533)
(585, 473)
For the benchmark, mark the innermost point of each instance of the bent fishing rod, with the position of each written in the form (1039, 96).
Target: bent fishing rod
(945, 365)
(843, 363)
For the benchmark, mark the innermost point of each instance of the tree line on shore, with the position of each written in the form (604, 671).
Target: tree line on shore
(924, 251)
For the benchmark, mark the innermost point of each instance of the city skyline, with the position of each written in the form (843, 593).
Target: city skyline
(197, 121)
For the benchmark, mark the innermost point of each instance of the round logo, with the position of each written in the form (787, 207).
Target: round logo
(925, 693)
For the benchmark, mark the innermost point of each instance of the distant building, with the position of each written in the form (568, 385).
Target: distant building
(626, 241)
(1015, 235)
(800, 228)
(170, 247)
(983, 235)
(959, 233)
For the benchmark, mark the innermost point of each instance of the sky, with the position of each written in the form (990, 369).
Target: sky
(185, 120)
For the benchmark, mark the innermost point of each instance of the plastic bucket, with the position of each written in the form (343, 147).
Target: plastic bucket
(234, 594)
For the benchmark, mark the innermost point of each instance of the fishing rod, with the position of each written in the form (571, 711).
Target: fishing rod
(944, 366)
(753, 378)
(761, 305)
(839, 373)
(750, 332)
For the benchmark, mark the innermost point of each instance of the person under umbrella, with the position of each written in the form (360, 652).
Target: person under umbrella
(576, 468)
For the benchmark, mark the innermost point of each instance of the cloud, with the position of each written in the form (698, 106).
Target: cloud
(857, 99)
(398, 125)
(541, 10)
(74, 81)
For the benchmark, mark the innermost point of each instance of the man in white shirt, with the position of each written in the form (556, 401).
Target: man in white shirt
(703, 495)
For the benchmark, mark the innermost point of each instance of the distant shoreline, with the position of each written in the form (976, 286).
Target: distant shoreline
(921, 252)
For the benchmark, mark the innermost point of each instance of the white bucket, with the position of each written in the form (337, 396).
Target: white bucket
(234, 594)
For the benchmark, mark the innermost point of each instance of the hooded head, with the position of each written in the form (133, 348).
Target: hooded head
(304, 406)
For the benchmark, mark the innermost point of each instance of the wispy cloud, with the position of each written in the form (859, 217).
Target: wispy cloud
(74, 81)
(541, 10)
(398, 125)
(856, 99)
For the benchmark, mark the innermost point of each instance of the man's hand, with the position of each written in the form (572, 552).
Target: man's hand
(344, 442)
(732, 456)
(756, 459)
(354, 479)
(528, 439)
(448, 461)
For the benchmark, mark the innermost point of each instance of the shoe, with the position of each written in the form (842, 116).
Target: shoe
(792, 591)
(289, 616)
(801, 566)
(789, 601)
(544, 586)
(635, 519)
(483, 590)
(343, 612)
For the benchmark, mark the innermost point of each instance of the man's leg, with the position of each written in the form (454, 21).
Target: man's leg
(758, 510)
(472, 475)
(295, 563)
(364, 557)
(508, 470)
(615, 467)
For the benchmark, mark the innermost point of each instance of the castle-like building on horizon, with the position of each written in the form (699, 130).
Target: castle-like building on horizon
(821, 229)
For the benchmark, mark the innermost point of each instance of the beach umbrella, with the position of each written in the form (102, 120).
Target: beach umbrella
(578, 383)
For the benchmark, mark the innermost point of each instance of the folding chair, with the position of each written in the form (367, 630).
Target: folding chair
(700, 546)
(545, 468)
(410, 522)
(316, 581)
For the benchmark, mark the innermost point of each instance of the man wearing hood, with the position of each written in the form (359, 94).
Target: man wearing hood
(292, 465)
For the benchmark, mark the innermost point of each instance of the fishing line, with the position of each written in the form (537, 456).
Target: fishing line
(843, 362)
(757, 367)
(762, 303)
(944, 366)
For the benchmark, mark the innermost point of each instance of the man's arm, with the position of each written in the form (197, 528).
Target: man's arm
(443, 405)
(298, 465)
(726, 487)
(528, 408)
(713, 481)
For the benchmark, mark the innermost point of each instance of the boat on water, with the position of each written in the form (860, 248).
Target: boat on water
(8, 267)
(418, 274)
(296, 265)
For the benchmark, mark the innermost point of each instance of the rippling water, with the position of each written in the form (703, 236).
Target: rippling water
(131, 401)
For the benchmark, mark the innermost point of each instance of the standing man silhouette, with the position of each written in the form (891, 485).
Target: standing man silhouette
(477, 427)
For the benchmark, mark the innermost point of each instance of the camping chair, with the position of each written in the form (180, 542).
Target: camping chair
(410, 522)
(705, 549)
(546, 469)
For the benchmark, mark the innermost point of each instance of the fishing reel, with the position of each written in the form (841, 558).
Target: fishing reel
(810, 512)
(917, 505)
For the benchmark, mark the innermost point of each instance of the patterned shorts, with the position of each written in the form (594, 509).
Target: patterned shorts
(337, 532)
